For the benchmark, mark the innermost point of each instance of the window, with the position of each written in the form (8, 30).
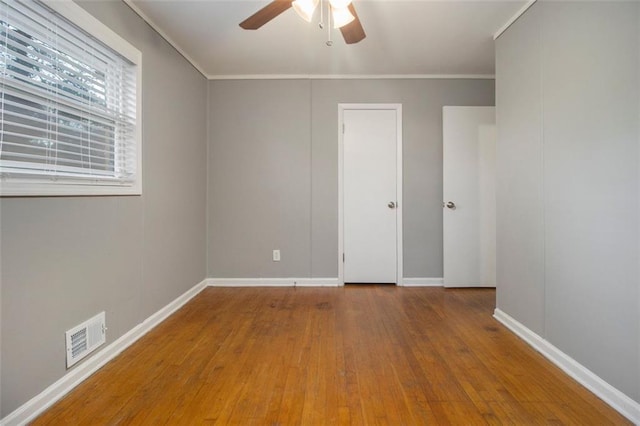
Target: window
(69, 103)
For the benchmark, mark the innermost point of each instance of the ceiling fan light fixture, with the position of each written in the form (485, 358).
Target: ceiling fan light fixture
(305, 8)
(341, 17)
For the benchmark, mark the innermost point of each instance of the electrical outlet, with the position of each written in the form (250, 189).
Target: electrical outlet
(276, 255)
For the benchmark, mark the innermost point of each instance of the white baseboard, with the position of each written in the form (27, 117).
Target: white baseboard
(38, 404)
(317, 282)
(273, 282)
(612, 396)
(423, 282)
(308, 282)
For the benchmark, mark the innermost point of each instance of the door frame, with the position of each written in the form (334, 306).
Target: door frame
(400, 205)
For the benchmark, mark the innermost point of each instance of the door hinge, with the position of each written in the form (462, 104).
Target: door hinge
(343, 128)
(342, 257)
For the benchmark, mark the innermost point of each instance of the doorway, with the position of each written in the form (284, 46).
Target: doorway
(370, 193)
(469, 205)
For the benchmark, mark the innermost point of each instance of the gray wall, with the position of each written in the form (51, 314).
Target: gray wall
(567, 97)
(65, 259)
(273, 171)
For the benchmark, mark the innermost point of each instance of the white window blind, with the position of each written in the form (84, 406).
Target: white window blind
(69, 102)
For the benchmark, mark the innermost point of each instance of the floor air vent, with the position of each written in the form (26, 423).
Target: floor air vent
(85, 338)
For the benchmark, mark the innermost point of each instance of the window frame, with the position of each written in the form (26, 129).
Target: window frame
(48, 186)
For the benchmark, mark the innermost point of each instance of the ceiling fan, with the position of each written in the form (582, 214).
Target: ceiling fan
(342, 13)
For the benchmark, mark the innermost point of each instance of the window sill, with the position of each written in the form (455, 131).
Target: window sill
(56, 189)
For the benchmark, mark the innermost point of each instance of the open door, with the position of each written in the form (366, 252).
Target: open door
(469, 205)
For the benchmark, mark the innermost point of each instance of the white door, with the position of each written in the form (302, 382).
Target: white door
(370, 198)
(469, 214)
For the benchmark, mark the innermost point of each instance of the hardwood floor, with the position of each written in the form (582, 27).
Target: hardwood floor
(352, 355)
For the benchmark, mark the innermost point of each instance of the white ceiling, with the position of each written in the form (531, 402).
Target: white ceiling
(410, 38)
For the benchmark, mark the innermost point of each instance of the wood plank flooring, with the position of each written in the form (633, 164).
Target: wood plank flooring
(332, 356)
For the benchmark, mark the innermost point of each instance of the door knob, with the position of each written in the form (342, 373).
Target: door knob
(450, 205)
(391, 205)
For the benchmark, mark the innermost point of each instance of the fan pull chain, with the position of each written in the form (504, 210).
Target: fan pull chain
(329, 42)
(321, 23)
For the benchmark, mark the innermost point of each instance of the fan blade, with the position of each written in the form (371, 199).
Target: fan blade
(353, 31)
(266, 14)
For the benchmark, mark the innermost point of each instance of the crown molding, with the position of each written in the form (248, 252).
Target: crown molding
(164, 35)
(513, 19)
(200, 69)
(352, 77)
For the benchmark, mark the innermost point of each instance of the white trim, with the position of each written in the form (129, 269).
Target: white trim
(317, 282)
(38, 404)
(31, 186)
(603, 390)
(198, 67)
(399, 177)
(351, 76)
(423, 282)
(400, 200)
(164, 35)
(273, 282)
(96, 28)
(16, 187)
(514, 18)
